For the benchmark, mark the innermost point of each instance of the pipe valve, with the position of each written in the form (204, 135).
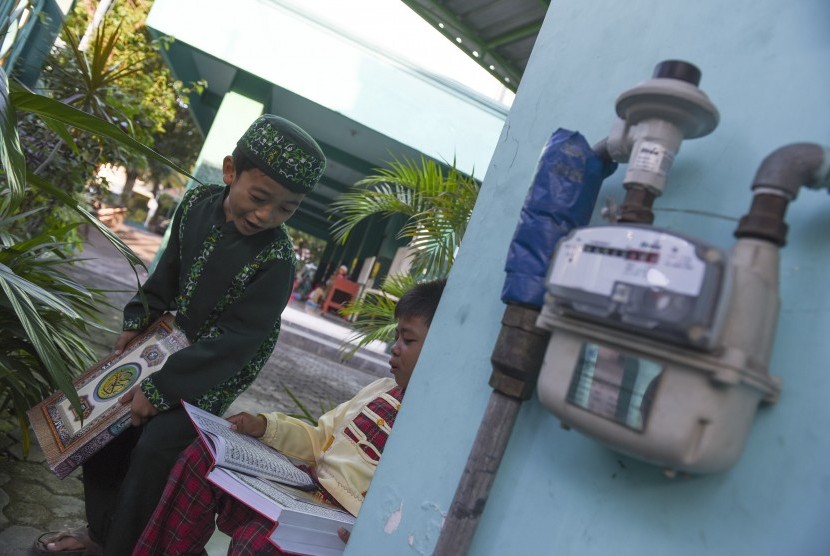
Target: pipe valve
(654, 118)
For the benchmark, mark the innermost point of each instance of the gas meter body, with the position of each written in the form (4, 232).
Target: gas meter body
(660, 343)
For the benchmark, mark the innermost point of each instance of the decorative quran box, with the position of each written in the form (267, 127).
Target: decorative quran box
(69, 439)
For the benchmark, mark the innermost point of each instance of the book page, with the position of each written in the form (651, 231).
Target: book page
(303, 525)
(245, 453)
(293, 501)
(252, 498)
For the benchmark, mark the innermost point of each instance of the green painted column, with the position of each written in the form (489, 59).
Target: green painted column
(39, 36)
(235, 114)
(389, 246)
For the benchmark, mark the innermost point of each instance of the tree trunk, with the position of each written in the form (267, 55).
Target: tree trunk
(153, 214)
(94, 23)
(127, 192)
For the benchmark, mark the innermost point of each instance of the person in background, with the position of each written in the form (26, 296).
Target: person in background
(314, 303)
(304, 282)
(342, 272)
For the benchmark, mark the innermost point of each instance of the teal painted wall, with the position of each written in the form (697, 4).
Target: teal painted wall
(764, 65)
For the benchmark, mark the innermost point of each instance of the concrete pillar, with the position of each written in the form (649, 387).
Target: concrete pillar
(235, 114)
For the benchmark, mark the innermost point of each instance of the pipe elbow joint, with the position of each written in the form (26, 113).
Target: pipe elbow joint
(601, 149)
(789, 167)
(779, 177)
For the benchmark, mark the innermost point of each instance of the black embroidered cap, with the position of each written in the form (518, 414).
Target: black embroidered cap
(284, 152)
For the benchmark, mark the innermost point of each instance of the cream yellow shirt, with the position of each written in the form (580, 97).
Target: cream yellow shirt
(344, 455)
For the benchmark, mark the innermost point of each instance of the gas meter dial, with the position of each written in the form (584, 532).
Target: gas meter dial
(654, 281)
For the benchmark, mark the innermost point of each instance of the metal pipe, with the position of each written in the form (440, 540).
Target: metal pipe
(517, 358)
(636, 207)
(562, 197)
(788, 168)
(776, 183)
(480, 472)
(655, 117)
(602, 150)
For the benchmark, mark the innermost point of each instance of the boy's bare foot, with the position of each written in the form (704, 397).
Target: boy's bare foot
(65, 544)
(75, 542)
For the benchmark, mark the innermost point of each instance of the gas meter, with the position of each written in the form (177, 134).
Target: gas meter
(660, 343)
(647, 353)
(636, 277)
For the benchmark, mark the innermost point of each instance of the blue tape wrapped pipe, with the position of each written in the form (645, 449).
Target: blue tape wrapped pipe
(561, 198)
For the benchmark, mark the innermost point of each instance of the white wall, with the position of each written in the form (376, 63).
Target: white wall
(764, 65)
(340, 67)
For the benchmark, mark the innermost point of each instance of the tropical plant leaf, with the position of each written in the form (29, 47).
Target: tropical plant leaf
(304, 414)
(375, 314)
(61, 131)
(436, 204)
(35, 293)
(28, 101)
(385, 199)
(43, 315)
(11, 154)
(38, 334)
(98, 74)
(11, 219)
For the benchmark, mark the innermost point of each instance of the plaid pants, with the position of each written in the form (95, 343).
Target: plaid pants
(184, 518)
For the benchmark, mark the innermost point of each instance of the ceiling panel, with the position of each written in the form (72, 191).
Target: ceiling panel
(498, 34)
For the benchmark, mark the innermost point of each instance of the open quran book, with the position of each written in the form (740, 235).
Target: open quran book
(269, 483)
(67, 438)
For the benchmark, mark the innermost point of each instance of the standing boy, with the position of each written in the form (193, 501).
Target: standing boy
(228, 271)
(343, 451)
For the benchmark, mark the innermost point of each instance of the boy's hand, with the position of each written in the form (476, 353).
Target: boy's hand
(252, 425)
(123, 340)
(344, 534)
(140, 407)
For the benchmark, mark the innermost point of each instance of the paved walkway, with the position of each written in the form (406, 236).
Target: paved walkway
(306, 361)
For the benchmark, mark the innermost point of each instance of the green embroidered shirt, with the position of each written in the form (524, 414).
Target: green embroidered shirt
(229, 291)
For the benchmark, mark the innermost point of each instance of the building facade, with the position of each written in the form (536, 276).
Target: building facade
(557, 491)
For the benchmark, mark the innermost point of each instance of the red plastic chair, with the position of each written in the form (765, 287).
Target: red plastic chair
(341, 292)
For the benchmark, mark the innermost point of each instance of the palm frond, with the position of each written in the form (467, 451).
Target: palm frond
(385, 199)
(11, 153)
(37, 332)
(305, 414)
(437, 205)
(375, 314)
(28, 101)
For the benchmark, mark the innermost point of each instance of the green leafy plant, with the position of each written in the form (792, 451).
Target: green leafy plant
(45, 318)
(375, 314)
(437, 204)
(120, 77)
(305, 414)
(45, 315)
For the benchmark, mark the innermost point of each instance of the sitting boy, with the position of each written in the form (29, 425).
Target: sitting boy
(343, 449)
